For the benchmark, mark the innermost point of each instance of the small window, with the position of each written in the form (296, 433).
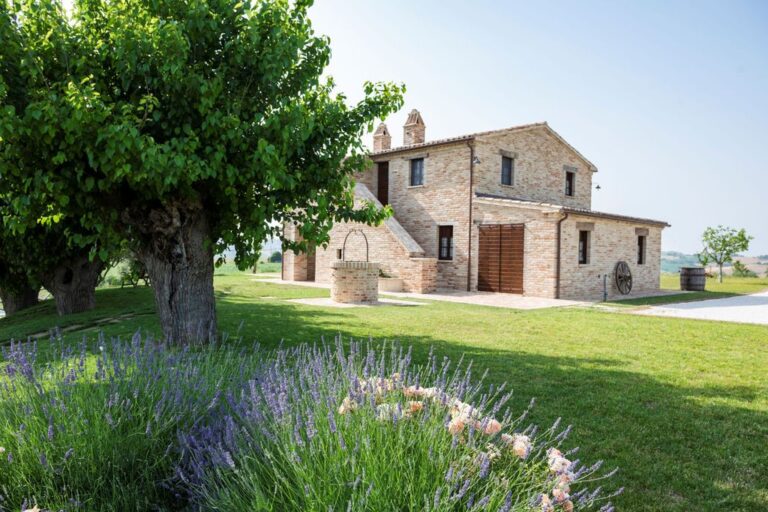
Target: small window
(507, 170)
(417, 172)
(583, 247)
(339, 254)
(570, 183)
(641, 250)
(445, 248)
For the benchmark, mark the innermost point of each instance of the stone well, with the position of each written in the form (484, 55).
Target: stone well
(355, 282)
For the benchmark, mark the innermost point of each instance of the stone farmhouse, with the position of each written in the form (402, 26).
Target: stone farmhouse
(501, 211)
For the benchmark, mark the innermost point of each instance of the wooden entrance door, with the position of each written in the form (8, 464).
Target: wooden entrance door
(500, 264)
(383, 183)
(311, 257)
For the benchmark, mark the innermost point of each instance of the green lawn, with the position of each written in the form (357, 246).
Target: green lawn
(681, 406)
(714, 290)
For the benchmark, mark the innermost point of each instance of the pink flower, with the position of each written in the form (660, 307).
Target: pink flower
(546, 504)
(559, 495)
(456, 426)
(414, 407)
(347, 405)
(568, 506)
(557, 463)
(491, 427)
(521, 444)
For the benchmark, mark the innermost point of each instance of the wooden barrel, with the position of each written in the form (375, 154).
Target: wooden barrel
(693, 279)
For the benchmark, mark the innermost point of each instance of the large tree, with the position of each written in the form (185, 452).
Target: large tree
(721, 244)
(191, 126)
(19, 288)
(41, 245)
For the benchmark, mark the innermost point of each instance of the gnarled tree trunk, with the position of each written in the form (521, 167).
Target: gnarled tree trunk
(73, 284)
(178, 254)
(14, 301)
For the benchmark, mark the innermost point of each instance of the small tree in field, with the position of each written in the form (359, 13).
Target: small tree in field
(741, 270)
(276, 257)
(187, 128)
(722, 243)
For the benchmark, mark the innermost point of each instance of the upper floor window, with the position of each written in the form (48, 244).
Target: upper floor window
(445, 244)
(641, 250)
(583, 247)
(570, 183)
(417, 172)
(507, 170)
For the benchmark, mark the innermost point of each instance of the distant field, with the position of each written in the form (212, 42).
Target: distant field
(714, 290)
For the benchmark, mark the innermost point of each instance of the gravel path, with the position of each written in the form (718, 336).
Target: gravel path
(751, 309)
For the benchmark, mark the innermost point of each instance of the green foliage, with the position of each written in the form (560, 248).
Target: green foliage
(276, 257)
(722, 243)
(133, 106)
(132, 272)
(741, 270)
(37, 54)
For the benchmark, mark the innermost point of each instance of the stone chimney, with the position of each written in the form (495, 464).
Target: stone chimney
(382, 140)
(413, 129)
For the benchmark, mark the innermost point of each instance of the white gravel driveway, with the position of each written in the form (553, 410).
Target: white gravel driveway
(751, 309)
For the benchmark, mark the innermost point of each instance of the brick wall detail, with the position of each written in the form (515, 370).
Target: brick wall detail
(611, 241)
(355, 282)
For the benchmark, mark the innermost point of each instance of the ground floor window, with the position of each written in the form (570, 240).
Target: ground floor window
(445, 248)
(641, 250)
(583, 247)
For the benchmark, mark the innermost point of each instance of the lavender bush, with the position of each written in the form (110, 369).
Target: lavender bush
(324, 428)
(96, 426)
(139, 426)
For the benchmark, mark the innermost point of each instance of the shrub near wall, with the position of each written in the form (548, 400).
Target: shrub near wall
(136, 426)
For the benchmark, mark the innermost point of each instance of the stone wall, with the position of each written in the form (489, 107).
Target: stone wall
(539, 161)
(611, 241)
(355, 282)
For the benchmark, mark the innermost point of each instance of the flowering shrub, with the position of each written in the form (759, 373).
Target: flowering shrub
(138, 426)
(322, 428)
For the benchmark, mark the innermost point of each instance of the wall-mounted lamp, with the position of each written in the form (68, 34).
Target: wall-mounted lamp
(475, 160)
(597, 187)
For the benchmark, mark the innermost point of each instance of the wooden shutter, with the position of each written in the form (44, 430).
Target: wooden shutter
(489, 260)
(511, 259)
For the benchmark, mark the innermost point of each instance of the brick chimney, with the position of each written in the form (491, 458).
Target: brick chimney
(382, 140)
(413, 129)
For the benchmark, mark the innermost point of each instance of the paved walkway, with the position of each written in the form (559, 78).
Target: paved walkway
(751, 309)
(499, 300)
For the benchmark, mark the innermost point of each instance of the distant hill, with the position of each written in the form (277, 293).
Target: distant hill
(267, 248)
(671, 261)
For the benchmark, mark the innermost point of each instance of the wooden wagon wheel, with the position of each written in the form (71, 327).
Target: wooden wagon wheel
(623, 277)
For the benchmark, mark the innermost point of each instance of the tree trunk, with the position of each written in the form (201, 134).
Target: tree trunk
(178, 254)
(73, 284)
(721, 271)
(14, 302)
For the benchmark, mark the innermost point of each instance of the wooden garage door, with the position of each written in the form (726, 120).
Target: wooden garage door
(501, 258)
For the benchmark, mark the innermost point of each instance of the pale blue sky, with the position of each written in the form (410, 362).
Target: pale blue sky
(668, 99)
